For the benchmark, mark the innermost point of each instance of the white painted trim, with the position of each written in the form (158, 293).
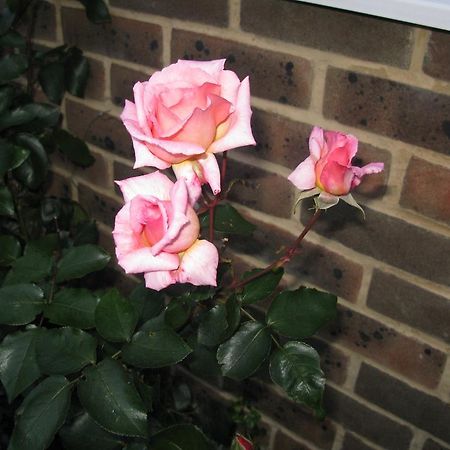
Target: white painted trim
(431, 13)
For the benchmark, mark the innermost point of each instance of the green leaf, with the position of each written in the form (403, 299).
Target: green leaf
(41, 415)
(296, 368)
(111, 399)
(115, 317)
(86, 233)
(261, 287)
(213, 325)
(46, 245)
(33, 171)
(6, 202)
(136, 446)
(52, 79)
(20, 303)
(75, 149)
(228, 220)
(241, 356)
(96, 11)
(300, 313)
(11, 156)
(203, 362)
(32, 117)
(12, 39)
(177, 313)
(12, 66)
(11, 249)
(6, 19)
(77, 72)
(18, 364)
(84, 433)
(79, 261)
(61, 351)
(6, 97)
(147, 302)
(155, 348)
(73, 307)
(180, 437)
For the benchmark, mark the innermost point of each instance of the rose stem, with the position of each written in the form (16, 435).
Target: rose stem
(288, 254)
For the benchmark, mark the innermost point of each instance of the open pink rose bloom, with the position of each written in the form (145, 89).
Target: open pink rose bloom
(156, 233)
(186, 113)
(327, 171)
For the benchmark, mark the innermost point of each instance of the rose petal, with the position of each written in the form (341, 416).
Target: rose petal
(341, 147)
(154, 184)
(317, 143)
(326, 200)
(124, 237)
(336, 179)
(141, 107)
(210, 171)
(186, 171)
(142, 260)
(159, 280)
(145, 157)
(304, 177)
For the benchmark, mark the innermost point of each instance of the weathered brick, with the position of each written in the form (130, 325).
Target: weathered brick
(422, 410)
(132, 40)
(329, 29)
(45, 21)
(357, 417)
(58, 186)
(426, 189)
(437, 58)
(289, 414)
(98, 173)
(312, 264)
(410, 304)
(273, 75)
(353, 442)
(261, 190)
(99, 128)
(388, 239)
(430, 444)
(285, 442)
(122, 81)
(95, 87)
(100, 207)
(405, 355)
(212, 13)
(410, 114)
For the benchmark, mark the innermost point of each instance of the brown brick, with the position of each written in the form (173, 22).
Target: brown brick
(273, 75)
(289, 414)
(122, 81)
(396, 110)
(437, 58)
(407, 303)
(388, 239)
(312, 264)
(127, 39)
(58, 186)
(426, 189)
(422, 410)
(99, 128)
(375, 340)
(45, 23)
(98, 173)
(261, 190)
(430, 444)
(285, 442)
(207, 11)
(329, 29)
(95, 87)
(355, 416)
(353, 442)
(100, 207)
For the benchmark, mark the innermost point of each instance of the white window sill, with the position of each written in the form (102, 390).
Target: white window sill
(431, 13)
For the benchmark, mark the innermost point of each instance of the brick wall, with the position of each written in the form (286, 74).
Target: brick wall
(386, 82)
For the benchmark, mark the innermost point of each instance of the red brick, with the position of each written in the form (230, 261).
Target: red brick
(285, 442)
(313, 263)
(207, 11)
(122, 81)
(330, 30)
(426, 189)
(132, 40)
(437, 58)
(353, 442)
(45, 21)
(399, 111)
(388, 239)
(273, 75)
(99, 128)
(407, 303)
(95, 87)
(418, 408)
(355, 416)
(261, 190)
(405, 355)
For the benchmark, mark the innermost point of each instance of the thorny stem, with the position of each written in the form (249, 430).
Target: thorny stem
(289, 253)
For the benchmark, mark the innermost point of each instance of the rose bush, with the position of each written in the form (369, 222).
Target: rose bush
(156, 233)
(186, 113)
(327, 171)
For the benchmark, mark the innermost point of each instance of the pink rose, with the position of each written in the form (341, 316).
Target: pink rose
(186, 113)
(156, 232)
(327, 171)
